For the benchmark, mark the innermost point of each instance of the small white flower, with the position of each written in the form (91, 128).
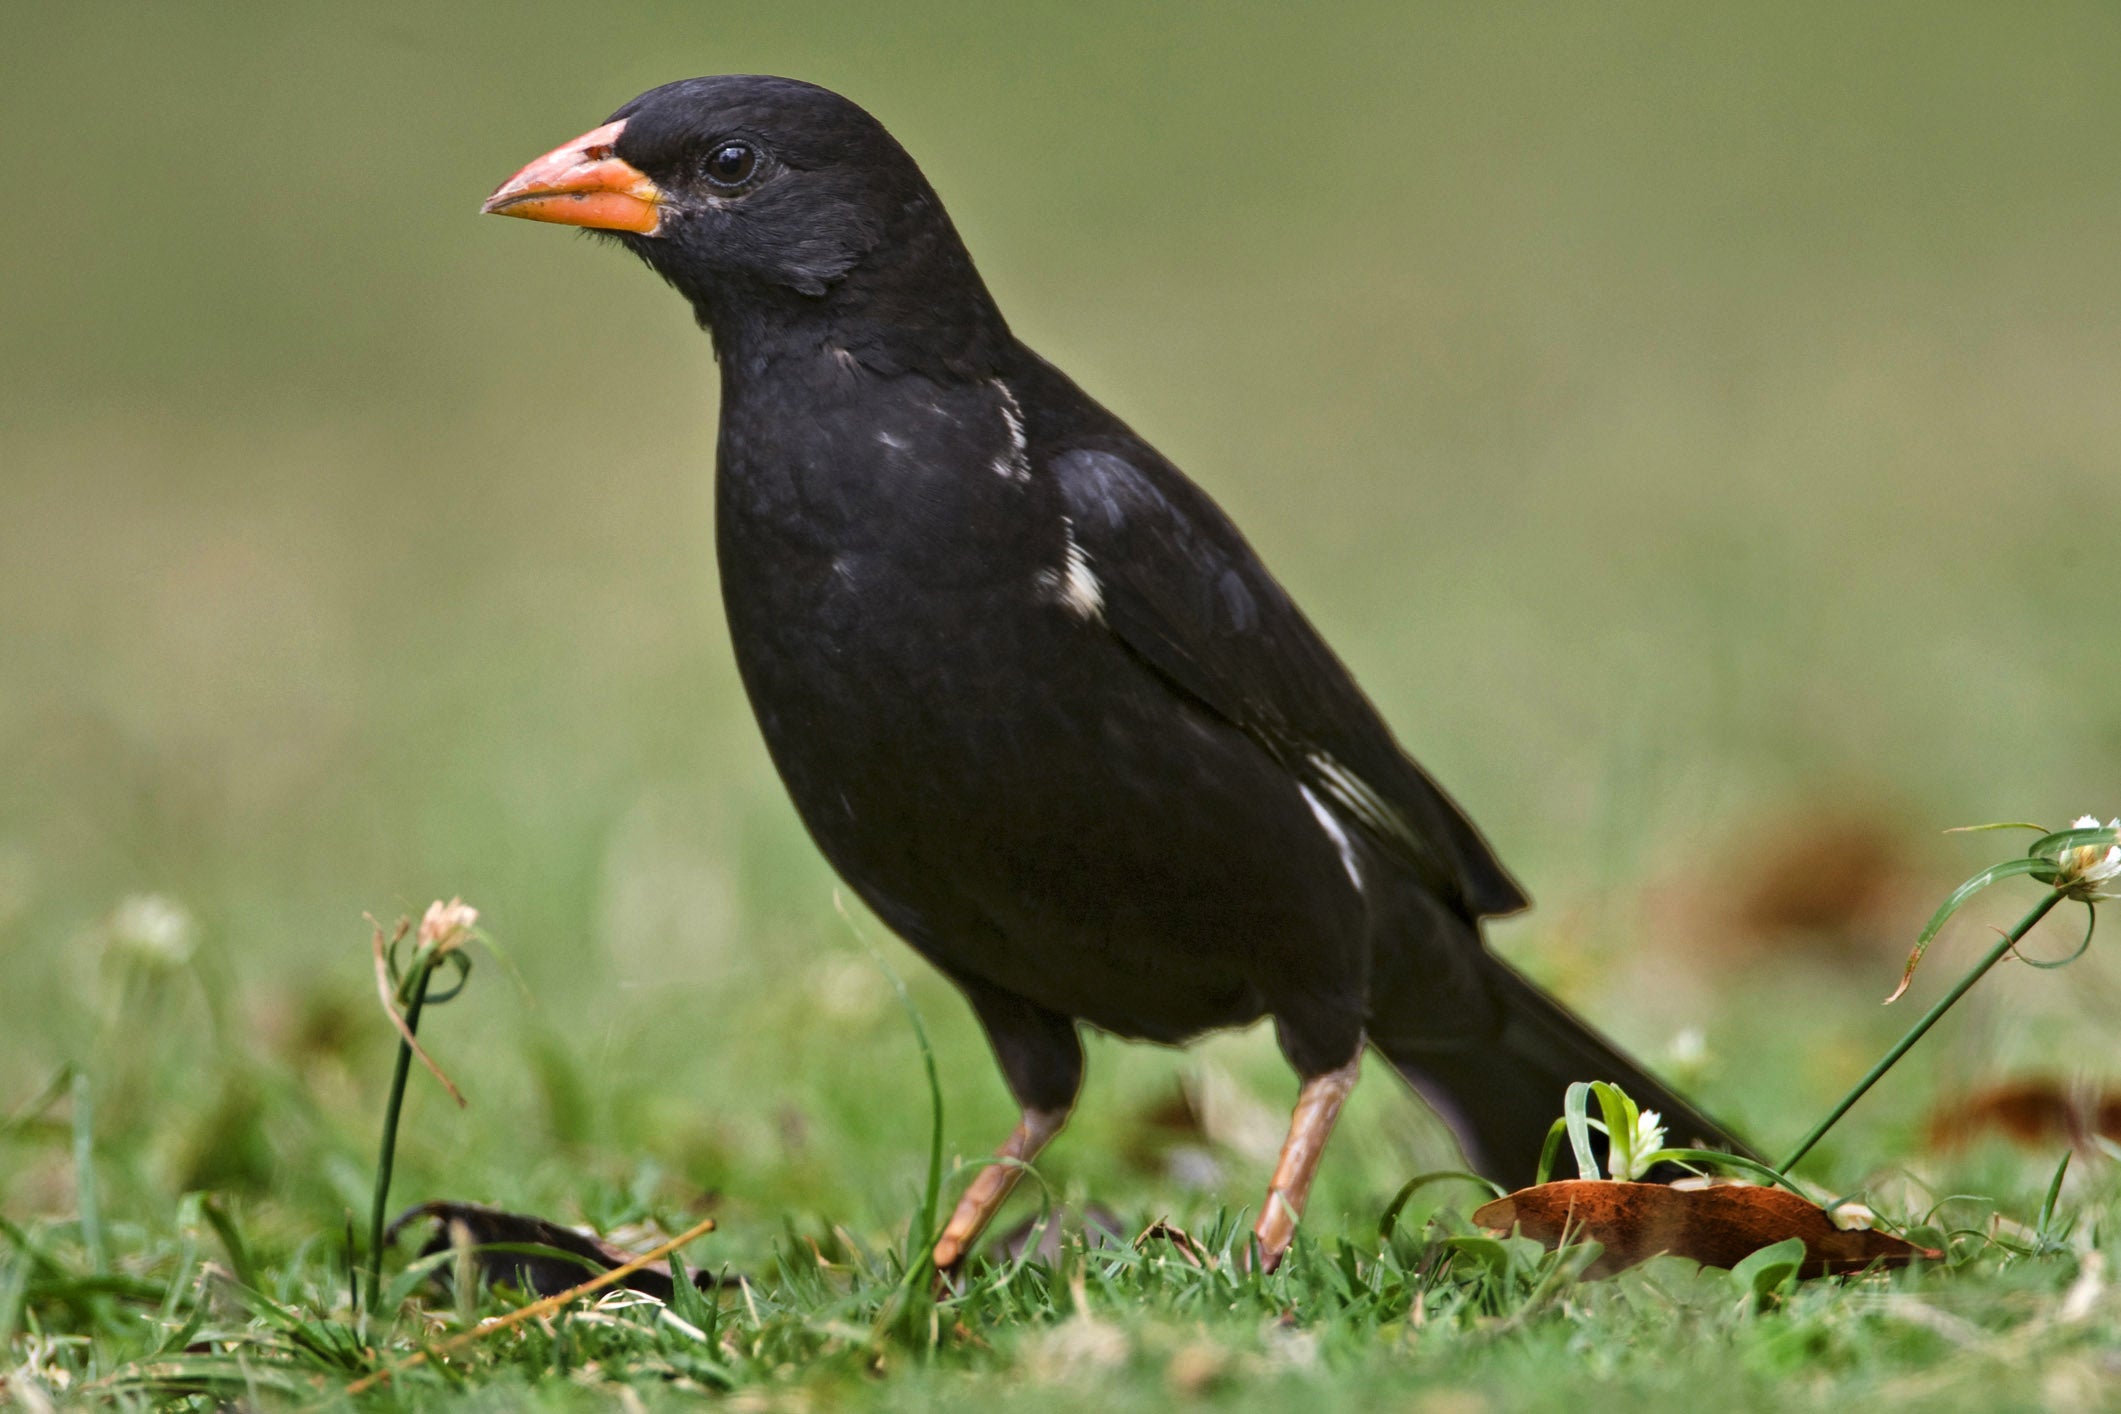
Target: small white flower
(1647, 1139)
(447, 926)
(155, 929)
(1852, 1217)
(2080, 871)
(1688, 1048)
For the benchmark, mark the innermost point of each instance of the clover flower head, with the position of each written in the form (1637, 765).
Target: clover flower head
(155, 929)
(447, 926)
(2081, 871)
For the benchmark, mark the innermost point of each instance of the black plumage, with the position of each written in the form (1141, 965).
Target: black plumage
(1032, 693)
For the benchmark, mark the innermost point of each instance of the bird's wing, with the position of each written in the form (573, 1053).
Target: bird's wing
(1177, 584)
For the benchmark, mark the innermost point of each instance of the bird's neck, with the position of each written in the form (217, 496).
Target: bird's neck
(923, 309)
(756, 339)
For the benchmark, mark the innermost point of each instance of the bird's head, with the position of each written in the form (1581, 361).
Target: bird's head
(762, 200)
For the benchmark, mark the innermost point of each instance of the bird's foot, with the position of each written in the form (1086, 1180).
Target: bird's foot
(1272, 1234)
(1317, 1107)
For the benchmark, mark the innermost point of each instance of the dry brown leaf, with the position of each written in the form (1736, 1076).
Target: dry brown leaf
(1821, 876)
(1164, 1230)
(2034, 1112)
(1718, 1227)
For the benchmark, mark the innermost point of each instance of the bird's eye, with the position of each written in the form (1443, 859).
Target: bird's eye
(731, 164)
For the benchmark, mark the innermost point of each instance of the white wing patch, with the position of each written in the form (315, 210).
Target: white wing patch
(1074, 585)
(1015, 466)
(1336, 832)
(1355, 795)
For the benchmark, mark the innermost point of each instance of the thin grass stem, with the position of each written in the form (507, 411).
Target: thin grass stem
(386, 1159)
(85, 1175)
(1921, 1028)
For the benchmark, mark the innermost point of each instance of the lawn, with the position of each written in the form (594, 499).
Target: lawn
(1697, 430)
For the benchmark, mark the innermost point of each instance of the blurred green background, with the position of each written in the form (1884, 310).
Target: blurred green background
(1697, 426)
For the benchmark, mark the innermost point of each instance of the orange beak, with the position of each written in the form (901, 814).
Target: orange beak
(584, 183)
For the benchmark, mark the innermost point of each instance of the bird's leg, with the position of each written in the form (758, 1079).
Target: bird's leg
(1317, 1106)
(991, 1185)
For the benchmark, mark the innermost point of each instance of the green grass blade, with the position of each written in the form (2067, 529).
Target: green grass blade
(90, 1211)
(14, 1283)
(187, 1254)
(1550, 1151)
(2049, 846)
(232, 1242)
(1387, 1223)
(1771, 1271)
(2091, 921)
(33, 1109)
(688, 1303)
(1576, 1113)
(932, 1189)
(2054, 1194)
(1620, 1113)
(1995, 873)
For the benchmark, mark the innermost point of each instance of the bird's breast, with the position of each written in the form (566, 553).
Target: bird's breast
(889, 561)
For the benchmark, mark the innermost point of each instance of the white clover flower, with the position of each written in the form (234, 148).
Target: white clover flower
(1647, 1139)
(155, 929)
(447, 926)
(2080, 871)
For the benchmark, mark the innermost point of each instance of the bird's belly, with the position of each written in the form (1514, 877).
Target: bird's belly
(1027, 805)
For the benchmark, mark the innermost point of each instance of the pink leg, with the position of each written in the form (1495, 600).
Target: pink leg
(991, 1185)
(1317, 1107)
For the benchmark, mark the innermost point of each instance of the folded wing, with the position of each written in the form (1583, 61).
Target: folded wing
(1180, 587)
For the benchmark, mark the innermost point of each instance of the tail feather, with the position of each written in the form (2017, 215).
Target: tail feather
(1502, 1096)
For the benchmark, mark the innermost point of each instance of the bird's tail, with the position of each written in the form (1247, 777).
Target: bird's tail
(1502, 1096)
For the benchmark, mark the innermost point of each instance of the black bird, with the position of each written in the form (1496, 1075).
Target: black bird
(1034, 696)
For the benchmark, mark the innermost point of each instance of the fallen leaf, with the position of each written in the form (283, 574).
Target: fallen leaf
(2032, 1113)
(1824, 880)
(543, 1274)
(1824, 877)
(1718, 1227)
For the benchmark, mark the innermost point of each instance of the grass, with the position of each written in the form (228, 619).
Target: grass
(1695, 426)
(194, 1312)
(1443, 1309)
